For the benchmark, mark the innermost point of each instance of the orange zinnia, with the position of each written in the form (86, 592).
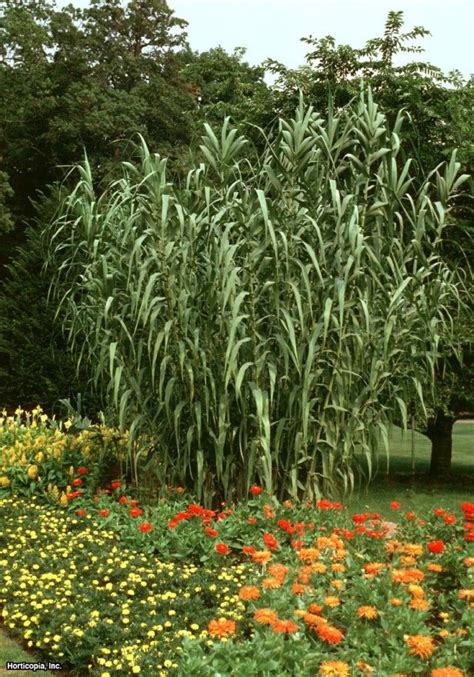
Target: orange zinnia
(334, 669)
(221, 627)
(261, 556)
(315, 608)
(272, 583)
(248, 592)
(265, 616)
(421, 645)
(407, 575)
(329, 633)
(373, 568)
(313, 620)
(278, 570)
(332, 601)
(285, 627)
(368, 612)
(419, 604)
(308, 554)
(448, 671)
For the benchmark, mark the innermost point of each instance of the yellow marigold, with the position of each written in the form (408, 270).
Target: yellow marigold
(221, 627)
(443, 634)
(323, 542)
(407, 560)
(396, 601)
(435, 567)
(368, 612)
(265, 616)
(419, 604)
(420, 645)
(448, 671)
(337, 584)
(332, 601)
(272, 583)
(339, 555)
(4, 481)
(334, 669)
(249, 592)
(308, 554)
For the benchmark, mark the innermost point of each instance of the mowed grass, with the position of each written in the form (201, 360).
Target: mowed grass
(12, 651)
(419, 492)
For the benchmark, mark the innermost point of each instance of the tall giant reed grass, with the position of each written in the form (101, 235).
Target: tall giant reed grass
(261, 323)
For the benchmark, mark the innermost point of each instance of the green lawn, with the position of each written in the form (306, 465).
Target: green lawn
(420, 492)
(11, 651)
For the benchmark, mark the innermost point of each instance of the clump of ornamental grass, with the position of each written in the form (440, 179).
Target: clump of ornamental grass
(114, 587)
(265, 322)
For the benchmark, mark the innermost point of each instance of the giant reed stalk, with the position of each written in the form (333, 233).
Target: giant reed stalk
(264, 323)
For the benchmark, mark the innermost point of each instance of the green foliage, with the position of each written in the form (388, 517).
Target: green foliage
(265, 328)
(6, 193)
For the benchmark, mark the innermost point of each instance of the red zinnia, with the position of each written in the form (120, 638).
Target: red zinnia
(211, 532)
(123, 500)
(251, 520)
(222, 549)
(145, 527)
(81, 512)
(135, 512)
(436, 547)
(395, 505)
(410, 515)
(248, 549)
(116, 484)
(82, 470)
(270, 541)
(77, 482)
(104, 513)
(255, 490)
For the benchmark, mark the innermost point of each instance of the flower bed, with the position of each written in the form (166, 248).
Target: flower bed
(112, 588)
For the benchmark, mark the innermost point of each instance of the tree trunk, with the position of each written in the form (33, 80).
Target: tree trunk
(440, 431)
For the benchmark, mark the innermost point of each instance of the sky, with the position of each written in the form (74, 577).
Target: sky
(273, 28)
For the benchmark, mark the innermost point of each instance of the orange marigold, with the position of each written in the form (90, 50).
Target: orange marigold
(268, 511)
(407, 560)
(249, 592)
(329, 633)
(265, 616)
(339, 585)
(466, 593)
(448, 671)
(396, 601)
(416, 590)
(420, 645)
(298, 588)
(368, 612)
(334, 669)
(221, 627)
(285, 627)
